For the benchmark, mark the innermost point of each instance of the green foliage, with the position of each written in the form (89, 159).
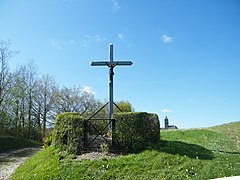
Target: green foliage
(183, 154)
(125, 106)
(4, 129)
(104, 148)
(47, 140)
(68, 132)
(8, 142)
(136, 130)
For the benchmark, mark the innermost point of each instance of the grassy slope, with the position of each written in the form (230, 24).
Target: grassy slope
(9, 142)
(182, 154)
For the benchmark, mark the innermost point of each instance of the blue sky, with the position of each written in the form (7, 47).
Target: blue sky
(186, 54)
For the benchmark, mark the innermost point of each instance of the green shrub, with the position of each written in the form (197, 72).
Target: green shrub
(104, 148)
(136, 130)
(8, 142)
(68, 132)
(47, 140)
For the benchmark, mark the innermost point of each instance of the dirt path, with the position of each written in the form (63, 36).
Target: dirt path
(9, 161)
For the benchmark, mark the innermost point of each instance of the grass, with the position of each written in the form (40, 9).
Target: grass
(9, 142)
(181, 154)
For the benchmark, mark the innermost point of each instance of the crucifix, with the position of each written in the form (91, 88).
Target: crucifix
(111, 64)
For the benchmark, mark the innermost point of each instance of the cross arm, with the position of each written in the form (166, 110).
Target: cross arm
(114, 63)
(99, 63)
(123, 63)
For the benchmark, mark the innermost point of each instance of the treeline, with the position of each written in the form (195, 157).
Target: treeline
(29, 102)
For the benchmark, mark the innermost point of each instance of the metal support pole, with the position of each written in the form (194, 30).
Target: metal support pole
(110, 92)
(85, 134)
(111, 73)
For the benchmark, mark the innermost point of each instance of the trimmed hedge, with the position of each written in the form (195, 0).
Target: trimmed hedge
(68, 130)
(9, 142)
(136, 130)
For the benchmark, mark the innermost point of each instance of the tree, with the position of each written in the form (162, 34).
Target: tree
(19, 99)
(125, 106)
(5, 78)
(5, 83)
(91, 105)
(14, 101)
(68, 100)
(46, 99)
(31, 101)
(31, 82)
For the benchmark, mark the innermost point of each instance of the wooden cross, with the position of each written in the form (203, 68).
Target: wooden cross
(111, 64)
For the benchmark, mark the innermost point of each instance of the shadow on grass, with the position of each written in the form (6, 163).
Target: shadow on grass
(227, 152)
(184, 149)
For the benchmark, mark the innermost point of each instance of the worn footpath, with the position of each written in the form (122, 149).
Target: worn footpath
(9, 161)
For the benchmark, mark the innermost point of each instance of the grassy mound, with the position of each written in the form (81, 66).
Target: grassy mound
(8, 142)
(181, 154)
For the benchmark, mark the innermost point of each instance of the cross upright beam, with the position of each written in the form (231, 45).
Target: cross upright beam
(111, 64)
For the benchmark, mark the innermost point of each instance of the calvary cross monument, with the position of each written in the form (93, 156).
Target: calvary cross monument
(111, 64)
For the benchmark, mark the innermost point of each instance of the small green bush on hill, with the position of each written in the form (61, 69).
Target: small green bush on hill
(68, 132)
(136, 130)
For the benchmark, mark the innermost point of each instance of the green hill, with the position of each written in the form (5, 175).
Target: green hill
(182, 154)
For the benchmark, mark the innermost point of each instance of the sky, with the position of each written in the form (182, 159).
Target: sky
(185, 54)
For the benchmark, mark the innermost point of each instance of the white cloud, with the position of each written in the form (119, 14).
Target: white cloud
(87, 36)
(124, 39)
(55, 44)
(60, 45)
(98, 38)
(166, 110)
(70, 42)
(85, 45)
(130, 44)
(88, 40)
(120, 36)
(115, 5)
(166, 39)
(88, 89)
